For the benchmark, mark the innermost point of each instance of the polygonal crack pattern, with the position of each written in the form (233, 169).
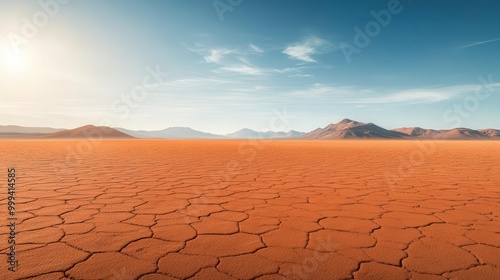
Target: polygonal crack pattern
(293, 209)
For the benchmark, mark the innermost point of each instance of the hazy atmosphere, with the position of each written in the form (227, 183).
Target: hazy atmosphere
(250, 139)
(219, 68)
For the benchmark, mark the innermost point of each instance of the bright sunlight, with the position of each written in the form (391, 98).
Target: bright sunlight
(12, 61)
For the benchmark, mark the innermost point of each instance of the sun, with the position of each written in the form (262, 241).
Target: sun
(12, 60)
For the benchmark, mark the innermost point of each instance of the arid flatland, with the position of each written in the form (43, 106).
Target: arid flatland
(236, 209)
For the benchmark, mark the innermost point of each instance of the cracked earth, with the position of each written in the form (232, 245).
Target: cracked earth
(218, 210)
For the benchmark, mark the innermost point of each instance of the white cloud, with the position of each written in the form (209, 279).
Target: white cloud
(291, 69)
(322, 90)
(238, 61)
(429, 94)
(300, 76)
(212, 55)
(256, 49)
(216, 55)
(358, 95)
(478, 43)
(231, 61)
(411, 96)
(248, 69)
(189, 84)
(304, 50)
(243, 69)
(225, 56)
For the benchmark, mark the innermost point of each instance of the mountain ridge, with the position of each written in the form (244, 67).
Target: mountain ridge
(88, 132)
(349, 129)
(171, 133)
(27, 129)
(450, 134)
(246, 133)
(344, 129)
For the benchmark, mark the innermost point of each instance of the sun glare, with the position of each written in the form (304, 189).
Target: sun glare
(12, 60)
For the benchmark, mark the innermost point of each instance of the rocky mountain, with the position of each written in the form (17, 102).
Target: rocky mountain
(491, 133)
(88, 132)
(417, 131)
(349, 129)
(451, 134)
(345, 129)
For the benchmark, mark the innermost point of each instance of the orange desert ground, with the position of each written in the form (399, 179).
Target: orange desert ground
(245, 209)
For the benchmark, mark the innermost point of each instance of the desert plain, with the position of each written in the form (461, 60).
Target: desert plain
(252, 209)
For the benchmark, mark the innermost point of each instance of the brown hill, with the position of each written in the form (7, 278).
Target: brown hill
(349, 129)
(491, 133)
(460, 133)
(418, 132)
(89, 132)
(452, 134)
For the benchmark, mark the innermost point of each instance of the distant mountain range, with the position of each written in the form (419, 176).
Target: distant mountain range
(171, 133)
(345, 129)
(246, 133)
(457, 133)
(189, 133)
(22, 129)
(20, 132)
(349, 129)
(84, 132)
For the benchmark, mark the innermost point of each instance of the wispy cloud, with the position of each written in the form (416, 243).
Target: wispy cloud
(216, 55)
(228, 60)
(291, 69)
(243, 69)
(478, 43)
(300, 76)
(317, 90)
(411, 96)
(359, 95)
(256, 49)
(249, 69)
(303, 51)
(232, 61)
(190, 84)
(225, 55)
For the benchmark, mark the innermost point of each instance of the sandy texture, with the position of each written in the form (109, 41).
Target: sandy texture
(137, 209)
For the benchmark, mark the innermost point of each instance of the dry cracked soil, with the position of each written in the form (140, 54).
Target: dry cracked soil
(144, 209)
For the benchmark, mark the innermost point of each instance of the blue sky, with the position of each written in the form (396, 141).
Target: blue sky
(423, 63)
